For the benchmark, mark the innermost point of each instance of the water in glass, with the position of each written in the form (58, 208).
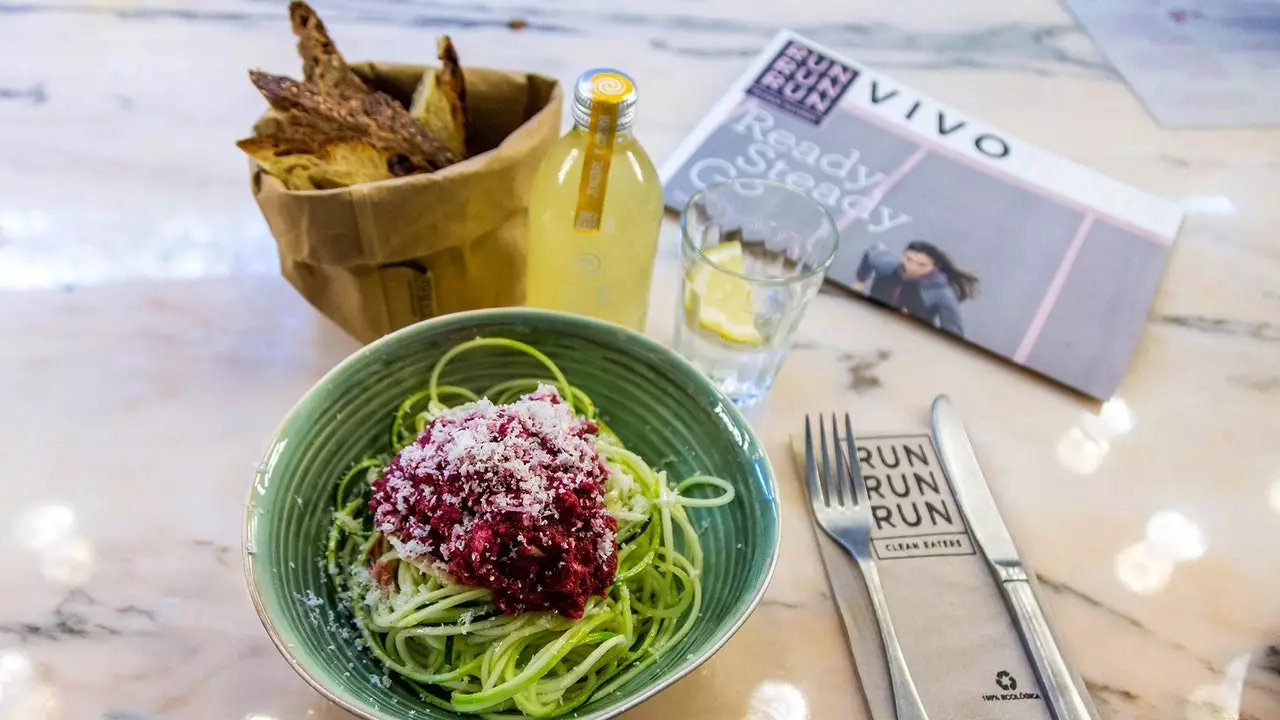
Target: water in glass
(754, 255)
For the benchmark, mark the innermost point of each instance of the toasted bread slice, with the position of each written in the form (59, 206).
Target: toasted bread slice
(332, 165)
(440, 102)
(433, 107)
(372, 116)
(322, 64)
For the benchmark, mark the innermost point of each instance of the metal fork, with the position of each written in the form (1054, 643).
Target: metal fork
(843, 510)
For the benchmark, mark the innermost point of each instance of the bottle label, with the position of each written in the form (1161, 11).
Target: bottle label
(607, 91)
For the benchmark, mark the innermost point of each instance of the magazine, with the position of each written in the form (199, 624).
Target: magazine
(941, 217)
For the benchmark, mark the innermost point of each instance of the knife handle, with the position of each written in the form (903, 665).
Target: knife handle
(1063, 691)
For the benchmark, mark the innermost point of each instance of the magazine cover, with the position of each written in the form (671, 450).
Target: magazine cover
(942, 218)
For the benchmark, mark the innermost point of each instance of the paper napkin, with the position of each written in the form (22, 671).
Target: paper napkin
(961, 646)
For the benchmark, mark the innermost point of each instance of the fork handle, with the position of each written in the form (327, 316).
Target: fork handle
(906, 701)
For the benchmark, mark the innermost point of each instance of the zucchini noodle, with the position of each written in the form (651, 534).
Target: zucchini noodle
(450, 644)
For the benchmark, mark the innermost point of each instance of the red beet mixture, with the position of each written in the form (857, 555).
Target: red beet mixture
(507, 497)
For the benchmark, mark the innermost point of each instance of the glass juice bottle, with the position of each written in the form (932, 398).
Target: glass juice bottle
(595, 210)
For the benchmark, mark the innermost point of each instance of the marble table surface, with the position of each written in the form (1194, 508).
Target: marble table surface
(148, 347)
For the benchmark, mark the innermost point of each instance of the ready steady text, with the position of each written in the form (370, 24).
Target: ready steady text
(843, 184)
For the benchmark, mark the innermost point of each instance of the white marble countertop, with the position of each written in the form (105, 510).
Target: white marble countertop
(148, 347)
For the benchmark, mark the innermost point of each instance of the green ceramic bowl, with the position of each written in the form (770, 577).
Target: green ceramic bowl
(657, 403)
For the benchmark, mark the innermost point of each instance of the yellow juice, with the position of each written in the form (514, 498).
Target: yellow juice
(605, 271)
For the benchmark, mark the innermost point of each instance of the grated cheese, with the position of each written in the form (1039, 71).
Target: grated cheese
(486, 487)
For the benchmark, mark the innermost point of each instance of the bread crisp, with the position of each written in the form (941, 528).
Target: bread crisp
(332, 130)
(322, 64)
(303, 166)
(372, 116)
(440, 102)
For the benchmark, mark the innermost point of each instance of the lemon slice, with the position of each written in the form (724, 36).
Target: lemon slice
(726, 300)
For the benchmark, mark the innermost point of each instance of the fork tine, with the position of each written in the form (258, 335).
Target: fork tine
(826, 462)
(855, 468)
(810, 466)
(839, 479)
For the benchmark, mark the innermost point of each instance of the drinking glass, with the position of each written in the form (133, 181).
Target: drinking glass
(754, 254)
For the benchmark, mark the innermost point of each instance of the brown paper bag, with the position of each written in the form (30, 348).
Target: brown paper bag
(379, 256)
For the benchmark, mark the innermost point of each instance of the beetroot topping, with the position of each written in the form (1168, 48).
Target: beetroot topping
(507, 497)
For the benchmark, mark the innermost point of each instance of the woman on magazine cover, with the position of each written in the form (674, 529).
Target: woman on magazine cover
(923, 282)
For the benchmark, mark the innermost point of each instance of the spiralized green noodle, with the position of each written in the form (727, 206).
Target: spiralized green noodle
(448, 641)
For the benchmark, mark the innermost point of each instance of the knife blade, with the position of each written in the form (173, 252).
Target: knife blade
(1063, 688)
(972, 492)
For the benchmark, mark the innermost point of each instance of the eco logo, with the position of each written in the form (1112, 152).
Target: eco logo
(1008, 685)
(1006, 681)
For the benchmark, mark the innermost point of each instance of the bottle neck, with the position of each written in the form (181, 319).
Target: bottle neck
(620, 133)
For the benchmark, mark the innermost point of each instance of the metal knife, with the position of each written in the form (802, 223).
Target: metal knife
(1063, 688)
